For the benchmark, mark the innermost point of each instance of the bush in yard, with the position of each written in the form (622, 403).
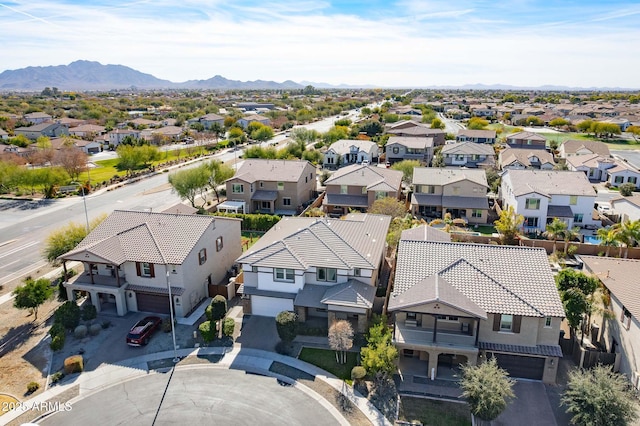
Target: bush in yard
(358, 373)
(73, 364)
(487, 387)
(106, 324)
(384, 395)
(166, 325)
(286, 324)
(626, 189)
(57, 342)
(216, 311)
(80, 332)
(33, 386)
(68, 314)
(88, 312)
(57, 329)
(94, 329)
(228, 326)
(57, 376)
(207, 331)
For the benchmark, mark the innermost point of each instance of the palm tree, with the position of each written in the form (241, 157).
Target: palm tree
(570, 235)
(629, 234)
(449, 223)
(608, 237)
(555, 230)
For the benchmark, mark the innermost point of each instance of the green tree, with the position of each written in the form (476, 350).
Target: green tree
(190, 183)
(237, 135)
(335, 134)
(599, 397)
(570, 234)
(287, 326)
(406, 167)
(436, 123)
(626, 189)
(493, 179)
(559, 122)
(66, 239)
(508, 225)
(555, 230)
(380, 354)
(129, 158)
(488, 389)
(628, 233)
(576, 291)
(216, 311)
(438, 159)
(218, 174)
(635, 131)
(608, 237)
(68, 314)
(32, 294)
(477, 123)
(388, 206)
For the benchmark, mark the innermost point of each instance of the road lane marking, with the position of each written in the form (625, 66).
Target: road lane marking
(19, 248)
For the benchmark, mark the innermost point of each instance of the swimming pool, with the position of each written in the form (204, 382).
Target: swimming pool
(591, 239)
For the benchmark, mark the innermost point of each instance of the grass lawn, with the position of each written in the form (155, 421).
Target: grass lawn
(434, 413)
(249, 239)
(326, 359)
(484, 229)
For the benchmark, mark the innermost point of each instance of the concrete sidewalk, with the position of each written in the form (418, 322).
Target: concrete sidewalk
(252, 360)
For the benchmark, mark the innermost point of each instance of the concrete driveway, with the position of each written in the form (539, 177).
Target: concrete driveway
(258, 332)
(196, 396)
(531, 407)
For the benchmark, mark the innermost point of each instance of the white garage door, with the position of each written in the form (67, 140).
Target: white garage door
(270, 306)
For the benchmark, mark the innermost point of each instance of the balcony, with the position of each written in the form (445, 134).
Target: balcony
(409, 335)
(97, 280)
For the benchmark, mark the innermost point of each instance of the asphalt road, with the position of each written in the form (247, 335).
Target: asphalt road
(197, 396)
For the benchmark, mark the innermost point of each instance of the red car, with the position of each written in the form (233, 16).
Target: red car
(141, 332)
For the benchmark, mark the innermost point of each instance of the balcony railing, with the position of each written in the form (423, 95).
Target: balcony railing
(418, 336)
(102, 280)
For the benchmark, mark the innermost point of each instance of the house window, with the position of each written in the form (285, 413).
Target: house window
(144, 269)
(547, 322)
(459, 157)
(237, 188)
(452, 318)
(266, 204)
(357, 272)
(282, 274)
(625, 318)
(280, 186)
(532, 204)
(380, 194)
(286, 201)
(632, 179)
(475, 157)
(412, 316)
(261, 184)
(254, 269)
(573, 200)
(219, 244)
(343, 189)
(364, 189)
(327, 274)
(531, 222)
(618, 179)
(306, 179)
(395, 150)
(506, 322)
(476, 213)
(578, 217)
(429, 189)
(202, 256)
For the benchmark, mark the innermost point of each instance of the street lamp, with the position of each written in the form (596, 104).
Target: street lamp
(173, 332)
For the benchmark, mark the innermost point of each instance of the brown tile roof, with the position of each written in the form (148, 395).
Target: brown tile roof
(425, 233)
(374, 178)
(572, 146)
(620, 276)
(254, 169)
(510, 155)
(439, 176)
(548, 182)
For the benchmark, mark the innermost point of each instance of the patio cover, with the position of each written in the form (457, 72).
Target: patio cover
(559, 211)
(310, 296)
(465, 202)
(233, 206)
(353, 294)
(346, 200)
(426, 199)
(265, 195)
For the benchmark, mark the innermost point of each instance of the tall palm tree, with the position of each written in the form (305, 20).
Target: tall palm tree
(570, 235)
(608, 237)
(555, 230)
(629, 234)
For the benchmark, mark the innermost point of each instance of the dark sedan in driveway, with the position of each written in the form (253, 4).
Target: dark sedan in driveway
(142, 331)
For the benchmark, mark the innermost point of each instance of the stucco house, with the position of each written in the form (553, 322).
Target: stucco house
(604, 169)
(254, 118)
(87, 130)
(209, 120)
(37, 117)
(117, 136)
(573, 147)
(410, 128)
(620, 334)
(460, 192)
(399, 148)
(48, 129)
(476, 136)
(132, 258)
(348, 151)
(271, 186)
(543, 195)
(468, 154)
(317, 267)
(357, 187)
(3, 134)
(518, 158)
(527, 140)
(628, 208)
(455, 303)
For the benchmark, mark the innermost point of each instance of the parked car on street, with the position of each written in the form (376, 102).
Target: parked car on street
(142, 331)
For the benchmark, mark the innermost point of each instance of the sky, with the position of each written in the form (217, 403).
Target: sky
(394, 43)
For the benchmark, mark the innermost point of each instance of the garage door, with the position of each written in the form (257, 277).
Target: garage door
(148, 302)
(270, 306)
(525, 367)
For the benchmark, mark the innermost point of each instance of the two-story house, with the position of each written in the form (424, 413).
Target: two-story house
(518, 158)
(317, 267)
(399, 148)
(528, 140)
(460, 192)
(356, 187)
(49, 129)
(209, 120)
(410, 128)
(476, 136)
(272, 186)
(254, 118)
(543, 195)
(468, 154)
(348, 151)
(132, 258)
(37, 117)
(117, 136)
(605, 169)
(455, 303)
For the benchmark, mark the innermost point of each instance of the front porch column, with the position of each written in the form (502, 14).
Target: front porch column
(71, 294)
(331, 318)
(432, 371)
(472, 358)
(435, 327)
(95, 300)
(121, 303)
(362, 323)
(301, 312)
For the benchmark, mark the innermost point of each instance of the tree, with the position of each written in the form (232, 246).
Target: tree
(576, 290)
(438, 159)
(570, 234)
(599, 396)
(216, 311)
(436, 123)
(406, 167)
(508, 225)
(635, 131)
(218, 174)
(263, 133)
(380, 354)
(68, 314)
(388, 206)
(449, 223)
(189, 183)
(32, 294)
(487, 387)
(608, 237)
(555, 230)
(49, 178)
(477, 123)
(341, 339)
(66, 238)
(628, 233)
(626, 189)
(287, 326)
(72, 160)
(559, 122)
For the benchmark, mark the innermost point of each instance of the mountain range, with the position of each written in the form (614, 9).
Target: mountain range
(90, 75)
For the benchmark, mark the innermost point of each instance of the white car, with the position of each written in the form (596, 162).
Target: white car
(604, 209)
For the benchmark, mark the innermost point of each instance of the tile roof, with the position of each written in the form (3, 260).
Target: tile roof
(411, 142)
(571, 146)
(523, 156)
(425, 233)
(356, 241)
(135, 236)
(548, 182)
(440, 176)
(620, 276)
(346, 200)
(343, 146)
(353, 293)
(471, 133)
(374, 178)
(526, 136)
(498, 279)
(632, 199)
(254, 169)
(542, 350)
(468, 148)
(589, 160)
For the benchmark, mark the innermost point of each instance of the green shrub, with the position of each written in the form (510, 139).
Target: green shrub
(228, 327)
(217, 309)
(68, 314)
(166, 325)
(57, 376)
(358, 372)
(626, 189)
(57, 329)
(73, 364)
(94, 329)
(33, 386)
(254, 222)
(106, 324)
(57, 342)
(207, 331)
(80, 332)
(286, 324)
(88, 312)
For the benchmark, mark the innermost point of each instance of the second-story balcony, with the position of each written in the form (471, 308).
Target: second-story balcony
(408, 335)
(85, 278)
